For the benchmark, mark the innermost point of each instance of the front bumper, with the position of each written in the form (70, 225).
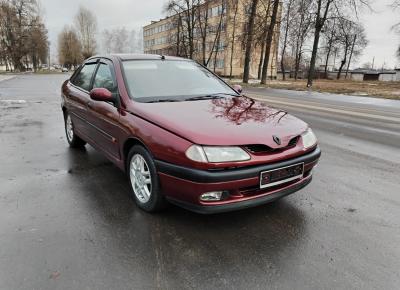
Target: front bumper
(183, 186)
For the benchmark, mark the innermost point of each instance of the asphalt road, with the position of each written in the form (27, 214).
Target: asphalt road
(67, 220)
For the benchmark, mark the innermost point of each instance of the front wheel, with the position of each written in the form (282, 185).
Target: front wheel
(73, 140)
(144, 180)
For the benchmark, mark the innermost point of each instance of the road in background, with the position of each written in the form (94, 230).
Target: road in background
(67, 220)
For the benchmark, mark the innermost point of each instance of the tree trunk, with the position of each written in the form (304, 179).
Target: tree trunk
(270, 35)
(285, 40)
(341, 68)
(178, 51)
(351, 54)
(319, 24)
(233, 38)
(249, 43)
(261, 60)
(328, 55)
(311, 72)
(327, 60)
(297, 67)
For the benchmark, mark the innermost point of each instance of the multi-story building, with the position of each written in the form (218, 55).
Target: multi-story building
(218, 37)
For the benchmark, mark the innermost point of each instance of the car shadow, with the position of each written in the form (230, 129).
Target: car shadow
(176, 238)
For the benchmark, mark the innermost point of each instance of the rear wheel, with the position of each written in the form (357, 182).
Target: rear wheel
(144, 180)
(73, 140)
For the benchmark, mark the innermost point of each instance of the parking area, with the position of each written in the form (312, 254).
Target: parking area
(67, 220)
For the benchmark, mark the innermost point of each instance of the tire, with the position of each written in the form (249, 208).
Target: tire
(144, 180)
(73, 140)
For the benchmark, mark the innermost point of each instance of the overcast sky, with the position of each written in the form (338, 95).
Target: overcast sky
(133, 14)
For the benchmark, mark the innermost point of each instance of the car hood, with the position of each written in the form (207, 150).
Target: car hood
(223, 121)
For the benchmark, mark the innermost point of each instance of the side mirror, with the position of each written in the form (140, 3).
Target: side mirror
(101, 94)
(238, 88)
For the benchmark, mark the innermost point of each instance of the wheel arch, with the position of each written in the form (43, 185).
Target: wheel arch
(128, 144)
(64, 110)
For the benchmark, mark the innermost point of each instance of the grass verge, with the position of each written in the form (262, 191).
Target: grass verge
(386, 90)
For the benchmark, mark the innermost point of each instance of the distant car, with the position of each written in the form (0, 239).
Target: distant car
(183, 135)
(64, 69)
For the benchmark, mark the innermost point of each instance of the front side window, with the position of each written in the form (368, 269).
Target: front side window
(104, 78)
(171, 78)
(84, 77)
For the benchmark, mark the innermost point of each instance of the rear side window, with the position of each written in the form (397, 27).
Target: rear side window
(104, 78)
(84, 77)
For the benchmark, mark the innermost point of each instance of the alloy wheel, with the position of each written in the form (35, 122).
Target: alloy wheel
(69, 128)
(140, 178)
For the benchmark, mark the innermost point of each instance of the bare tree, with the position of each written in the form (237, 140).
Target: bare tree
(23, 36)
(203, 28)
(86, 24)
(135, 42)
(116, 40)
(234, 5)
(209, 32)
(323, 7)
(69, 48)
(38, 44)
(263, 22)
(353, 40)
(396, 5)
(322, 12)
(301, 23)
(331, 38)
(249, 41)
(108, 41)
(270, 35)
(185, 13)
(285, 28)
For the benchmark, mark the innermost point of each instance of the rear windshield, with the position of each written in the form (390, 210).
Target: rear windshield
(150, 79)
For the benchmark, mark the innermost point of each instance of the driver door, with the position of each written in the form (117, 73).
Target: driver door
(104, 117)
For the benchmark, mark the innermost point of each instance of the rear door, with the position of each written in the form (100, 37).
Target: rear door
(78, 91)
(104, 117)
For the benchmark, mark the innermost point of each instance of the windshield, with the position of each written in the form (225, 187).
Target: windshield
(149, 80)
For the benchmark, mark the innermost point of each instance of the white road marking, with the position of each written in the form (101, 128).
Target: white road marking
(6, 77)
(13, 101)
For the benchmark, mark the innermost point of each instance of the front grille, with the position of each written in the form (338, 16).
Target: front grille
(258, 148)
(264, 149)
(293, 142)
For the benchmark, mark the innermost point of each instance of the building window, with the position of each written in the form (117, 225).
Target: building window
(216, 11)
(219, 64)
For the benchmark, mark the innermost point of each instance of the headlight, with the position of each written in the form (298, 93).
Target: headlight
(309, 139)
(216, 154)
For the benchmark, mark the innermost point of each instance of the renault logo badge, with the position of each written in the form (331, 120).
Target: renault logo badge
(277, 140)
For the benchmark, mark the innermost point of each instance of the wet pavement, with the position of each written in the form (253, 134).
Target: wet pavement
(67, 220)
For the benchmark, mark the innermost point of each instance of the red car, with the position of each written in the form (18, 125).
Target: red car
(185, 136)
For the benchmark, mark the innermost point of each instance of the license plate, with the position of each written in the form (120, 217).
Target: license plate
(281, 175)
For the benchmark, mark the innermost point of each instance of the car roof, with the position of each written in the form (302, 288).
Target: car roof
(137, 56)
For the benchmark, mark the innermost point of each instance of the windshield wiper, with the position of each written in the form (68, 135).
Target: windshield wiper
(227, 94)
(163, 101)
(207, 97)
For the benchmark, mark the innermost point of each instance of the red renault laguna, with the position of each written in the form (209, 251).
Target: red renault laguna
(185, 136)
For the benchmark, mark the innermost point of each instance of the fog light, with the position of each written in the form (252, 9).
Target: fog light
(212, 196)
